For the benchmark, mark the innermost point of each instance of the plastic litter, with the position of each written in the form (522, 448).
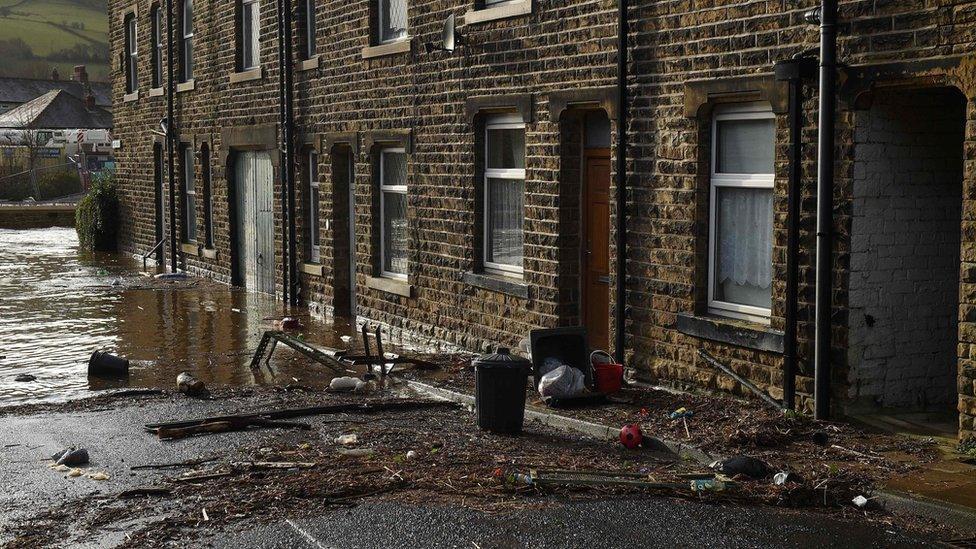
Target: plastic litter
(189, 385)
(860, 501)
(344, 383)
(562, 382)
(347, 440)
(107, 365)
(98, 476)
(71, 456)
(631, 436)
(707, 485)
(742, 465)
(784, 477)
(25, 378)
(681, 413)
(412, 454)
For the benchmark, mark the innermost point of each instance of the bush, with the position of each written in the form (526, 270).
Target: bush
(97, 216)
(56, 185)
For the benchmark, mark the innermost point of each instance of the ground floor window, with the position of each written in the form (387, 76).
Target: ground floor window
(741, 212)
(189, 197)
(312, 206)
(504, 192)
(393, 212)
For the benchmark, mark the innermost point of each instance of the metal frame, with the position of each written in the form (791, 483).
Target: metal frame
(314, 215)
(746, 111)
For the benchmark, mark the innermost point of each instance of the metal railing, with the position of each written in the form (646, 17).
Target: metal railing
(145, 256)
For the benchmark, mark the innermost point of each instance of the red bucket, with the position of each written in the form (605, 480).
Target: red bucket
(609, 377)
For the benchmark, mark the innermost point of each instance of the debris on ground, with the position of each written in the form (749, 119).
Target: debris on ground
(25, 378)
(103, 364)
(346, 383)
(71, 457)
(742, 465)
(784, 477)
(189, 385)
(631, 436)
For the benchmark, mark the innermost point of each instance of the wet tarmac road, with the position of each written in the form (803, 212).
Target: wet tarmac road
(623, 523)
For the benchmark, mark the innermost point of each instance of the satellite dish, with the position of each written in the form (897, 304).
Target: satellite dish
(447, 35)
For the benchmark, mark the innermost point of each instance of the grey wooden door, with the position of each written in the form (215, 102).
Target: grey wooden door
(255, 221)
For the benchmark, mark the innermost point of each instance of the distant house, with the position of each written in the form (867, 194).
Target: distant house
(57, 110)
(17, 91)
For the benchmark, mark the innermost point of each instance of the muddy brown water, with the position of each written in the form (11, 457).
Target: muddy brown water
(58, 305)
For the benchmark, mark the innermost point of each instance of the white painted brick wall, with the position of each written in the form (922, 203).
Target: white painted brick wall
(905, 249)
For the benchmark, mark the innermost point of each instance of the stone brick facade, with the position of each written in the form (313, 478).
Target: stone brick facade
(552, 62)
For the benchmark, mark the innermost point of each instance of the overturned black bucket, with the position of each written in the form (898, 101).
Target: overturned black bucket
(107, 365)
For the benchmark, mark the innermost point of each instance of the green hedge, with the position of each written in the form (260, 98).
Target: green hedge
(97, 216)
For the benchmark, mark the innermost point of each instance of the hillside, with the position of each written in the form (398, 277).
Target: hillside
(39, 35)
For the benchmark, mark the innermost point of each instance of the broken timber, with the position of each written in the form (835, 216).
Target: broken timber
(262, 418)
(272, 337)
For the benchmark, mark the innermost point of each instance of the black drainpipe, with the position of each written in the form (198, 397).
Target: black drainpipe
(171, 132)
(284, 121)
(289, 131)
(793, 71)
(827, 16)
(620, 317)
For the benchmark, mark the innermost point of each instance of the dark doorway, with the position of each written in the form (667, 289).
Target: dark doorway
(596, 230)
(158, 204)
(344, 216)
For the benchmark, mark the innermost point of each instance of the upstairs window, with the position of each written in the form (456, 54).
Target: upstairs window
(741, 213)
(393, 217)
(312, 179)
(186, 42)
(250, 38)
(208, 232)
(156, 26)
(131, 55)
(504, 191)
(392, 20)
(309, 29)
(189, 197)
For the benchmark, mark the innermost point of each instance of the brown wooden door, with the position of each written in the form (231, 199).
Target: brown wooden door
(596, 247)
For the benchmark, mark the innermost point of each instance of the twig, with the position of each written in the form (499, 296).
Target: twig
(188, 463)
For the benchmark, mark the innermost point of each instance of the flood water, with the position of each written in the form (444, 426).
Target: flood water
(58, 305)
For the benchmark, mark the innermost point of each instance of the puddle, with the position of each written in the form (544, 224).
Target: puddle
(58, 305)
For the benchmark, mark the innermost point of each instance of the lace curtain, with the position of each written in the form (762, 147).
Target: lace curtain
(745, 236)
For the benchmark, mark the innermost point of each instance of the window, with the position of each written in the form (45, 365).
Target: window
(741, 213)
(392, 20)
(189, 197)
(250, 39)
(186, 44)
(309, 29)
(504, 192)
(208, 235)
(312, 176)
(132, 54)
(393, 208)
(156, 23)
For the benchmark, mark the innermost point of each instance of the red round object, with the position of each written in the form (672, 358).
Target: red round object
(630, 435)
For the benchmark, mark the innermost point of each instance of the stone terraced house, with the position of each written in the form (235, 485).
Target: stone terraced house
(472, 195)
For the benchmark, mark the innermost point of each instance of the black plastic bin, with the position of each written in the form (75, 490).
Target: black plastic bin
(499, 388)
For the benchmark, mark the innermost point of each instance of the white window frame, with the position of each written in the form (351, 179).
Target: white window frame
(501, 122)
(310, 29)
(251, 42)
(314, 250)
(156, 24)
(132, 55)
(189, 194)
(401, 189)
(495, 3)
(186, 70)
(745, 111)
(379, 25)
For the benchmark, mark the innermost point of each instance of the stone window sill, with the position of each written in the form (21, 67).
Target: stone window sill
(309, 64)
(190, 248)
(209, 253)
(189, 85)
(500, 284)
(740, 333)
(130, 97)
(157, 92)
(312, 269)
(249, 75)
(390, 286)
(494, 13)
(392, 48)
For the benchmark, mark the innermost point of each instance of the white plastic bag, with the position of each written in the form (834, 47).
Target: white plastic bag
(563, 382)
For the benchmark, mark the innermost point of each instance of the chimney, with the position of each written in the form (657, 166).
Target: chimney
(89, 99)
(81, 75)
(55, 75)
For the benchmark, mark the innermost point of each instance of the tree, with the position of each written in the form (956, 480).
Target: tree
(27, 137)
